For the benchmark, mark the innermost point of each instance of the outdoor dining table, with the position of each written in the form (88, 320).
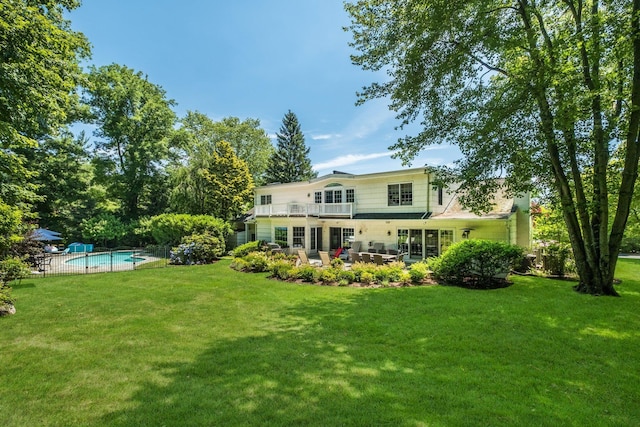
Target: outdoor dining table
(385, 257)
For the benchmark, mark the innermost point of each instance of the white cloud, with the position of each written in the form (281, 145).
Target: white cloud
(350, 159)
(325, 136)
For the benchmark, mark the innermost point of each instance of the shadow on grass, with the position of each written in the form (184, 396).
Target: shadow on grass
(387, 358)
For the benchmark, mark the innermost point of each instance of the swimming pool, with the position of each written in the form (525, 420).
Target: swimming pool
(107, 258)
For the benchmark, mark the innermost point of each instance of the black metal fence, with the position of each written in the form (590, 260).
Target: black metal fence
(50, 264)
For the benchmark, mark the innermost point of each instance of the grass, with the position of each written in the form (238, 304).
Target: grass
(206, 345)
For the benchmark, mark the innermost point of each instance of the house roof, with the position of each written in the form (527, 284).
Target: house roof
(502, 207)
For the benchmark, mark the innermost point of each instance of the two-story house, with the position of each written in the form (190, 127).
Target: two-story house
(401, 209)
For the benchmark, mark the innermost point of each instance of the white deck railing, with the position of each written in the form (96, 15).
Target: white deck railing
(304, 209)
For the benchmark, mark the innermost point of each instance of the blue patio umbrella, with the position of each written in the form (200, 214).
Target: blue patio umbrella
(44, 235)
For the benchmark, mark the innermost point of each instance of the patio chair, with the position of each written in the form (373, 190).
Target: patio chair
(356, 246)
(366, 257)
(378, 247)
(392, 251)
(324, 257)
(354, 256)
(377, 258)
(304, 259)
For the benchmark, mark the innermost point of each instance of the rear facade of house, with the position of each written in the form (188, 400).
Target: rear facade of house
(401, 210)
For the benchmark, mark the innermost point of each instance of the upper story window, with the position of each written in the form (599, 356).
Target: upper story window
(400, 194)
(265, 199)
(335, 193)
(351, 195)
(317, 197)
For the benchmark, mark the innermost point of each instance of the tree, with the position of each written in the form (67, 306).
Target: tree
(290, 162)
(527, 90)
(230, 183)
(136, 121)
(39, 77)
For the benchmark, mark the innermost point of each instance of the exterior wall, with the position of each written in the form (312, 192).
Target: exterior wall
(371, 197)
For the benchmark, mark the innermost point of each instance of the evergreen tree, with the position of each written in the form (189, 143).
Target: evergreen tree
(290, 162)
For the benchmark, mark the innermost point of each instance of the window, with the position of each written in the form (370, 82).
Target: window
(281, 236)
(351, 195)
(328, 196)
(400, 194)
(317, 197)
(348, 236)
(333, 196)
(265, 199)
(298, 237)
(440, 195)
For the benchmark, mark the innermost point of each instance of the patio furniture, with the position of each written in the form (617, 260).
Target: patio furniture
(304, 259)
(377, 258)
(366, 257)
(324, 257)
(378, 247)
(354, 256)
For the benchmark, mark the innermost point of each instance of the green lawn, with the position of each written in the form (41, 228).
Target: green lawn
(210, 346)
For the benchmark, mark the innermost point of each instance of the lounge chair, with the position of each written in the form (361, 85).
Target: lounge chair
(324, 257)
(304, 259)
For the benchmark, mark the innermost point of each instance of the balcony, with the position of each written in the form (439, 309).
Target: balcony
(343, 210)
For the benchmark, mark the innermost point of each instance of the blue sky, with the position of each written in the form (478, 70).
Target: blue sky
(256, 59)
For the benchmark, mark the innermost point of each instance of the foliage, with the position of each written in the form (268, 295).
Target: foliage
(290, 162)
(169, 229)
(10, 269)
(11, 227)
(418, 272)
(281, 269)
(135, 124)
(257, 262)
(548, 225)
(229, 184)
(200, 137)
(535, 92)
(555, 257)
(476, 263)
(13, 269)
(104, 229)
(39, 76)
(244, 249)
(202, 248)
(308, 273)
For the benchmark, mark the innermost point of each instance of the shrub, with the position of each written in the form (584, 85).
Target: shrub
(197, 249)
(281, 269)
(382, 274)
(337, 263)
(367, 277)
(418, 272)
(308, 273)
(395, 270)
(346, 275)
(240, 264)
(243, 250)
(479, 264)
(257, 261)
(12, 269)
(359, 268)
(169, 229)
(329, 275)
(555, 257)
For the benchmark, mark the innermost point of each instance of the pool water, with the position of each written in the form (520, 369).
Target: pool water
(113, 258)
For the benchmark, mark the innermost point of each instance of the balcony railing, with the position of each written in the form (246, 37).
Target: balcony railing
(306, 209)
